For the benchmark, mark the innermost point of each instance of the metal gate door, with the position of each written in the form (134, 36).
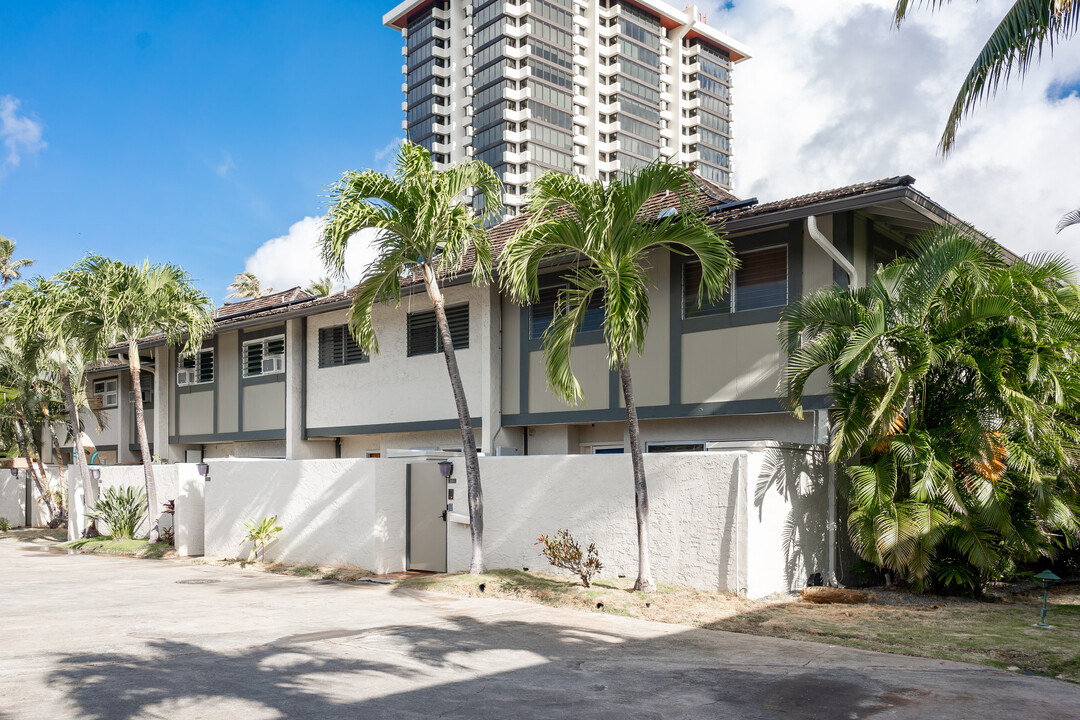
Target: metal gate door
(425, 491)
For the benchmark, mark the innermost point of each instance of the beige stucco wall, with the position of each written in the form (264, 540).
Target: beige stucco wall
(196, 412)
(739, 363)
(650, 370)
(227, 373)
(342, 512)
(264, 406)
(392, 387)
(358, 446)
(511, 357)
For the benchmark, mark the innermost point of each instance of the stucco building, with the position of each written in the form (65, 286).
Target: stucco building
(281, 377)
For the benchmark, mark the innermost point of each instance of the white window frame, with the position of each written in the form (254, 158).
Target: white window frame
(105, 392)
(264, 342)
(213, 365)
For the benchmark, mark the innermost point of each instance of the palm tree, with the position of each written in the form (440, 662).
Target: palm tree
(321, 287)
(246, 285)
(118, 304)
(597, 228)
(426, 230)
(1014, 45)
(10, 269)
(1072, 218)
(955, 386)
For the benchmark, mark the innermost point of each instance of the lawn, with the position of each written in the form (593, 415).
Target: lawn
(133, 547)
(999, 633)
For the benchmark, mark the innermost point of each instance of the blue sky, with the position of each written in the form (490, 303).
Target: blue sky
(188, 132)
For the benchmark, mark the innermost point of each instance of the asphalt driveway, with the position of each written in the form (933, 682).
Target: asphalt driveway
(98, 637)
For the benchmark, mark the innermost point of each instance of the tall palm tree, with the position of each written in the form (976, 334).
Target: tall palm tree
(955, 386)
(1072, 218)
(246, 285)
(118, 304)
(321, 287)
(10, 269)
(596, 227)
(426, 230)
(1010, 51)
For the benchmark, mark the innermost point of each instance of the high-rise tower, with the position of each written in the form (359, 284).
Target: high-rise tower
(592, 87)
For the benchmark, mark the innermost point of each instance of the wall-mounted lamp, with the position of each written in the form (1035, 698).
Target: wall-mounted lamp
(204, 470)
(14, 472)
(446, 469)
(96, 474)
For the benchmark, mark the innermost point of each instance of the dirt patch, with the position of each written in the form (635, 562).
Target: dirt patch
(338, 573)
(34, 534)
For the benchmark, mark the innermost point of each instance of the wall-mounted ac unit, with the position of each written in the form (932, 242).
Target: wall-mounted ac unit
(505, 451)
(146, 395)
(185, 377)
(273, 364)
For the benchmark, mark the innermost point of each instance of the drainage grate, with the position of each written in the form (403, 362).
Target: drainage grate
(196, 582)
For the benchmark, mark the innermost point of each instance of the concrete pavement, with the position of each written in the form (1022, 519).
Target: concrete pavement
(99, 637)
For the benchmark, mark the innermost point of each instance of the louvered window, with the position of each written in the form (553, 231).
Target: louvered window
(760, 282)
(542, 314)
(423, 331)
(338, 347)
(202, 364)
(259, 355)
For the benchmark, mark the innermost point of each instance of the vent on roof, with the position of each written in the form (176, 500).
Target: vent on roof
(666, 212)
(734, 205)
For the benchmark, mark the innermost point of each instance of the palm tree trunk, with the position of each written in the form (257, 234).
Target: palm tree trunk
(36, 451)
(644, 580)
(468, 440)
(24, 448)
(75, 426)
(144, 446)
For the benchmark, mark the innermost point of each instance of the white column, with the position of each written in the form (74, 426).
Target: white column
(491, 372)
(163, 384)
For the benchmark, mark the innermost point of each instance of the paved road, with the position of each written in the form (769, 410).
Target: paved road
(96, 637)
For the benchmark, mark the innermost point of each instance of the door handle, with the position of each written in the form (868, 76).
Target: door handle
(443, 516)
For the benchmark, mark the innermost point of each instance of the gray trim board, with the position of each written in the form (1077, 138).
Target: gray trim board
(227, 437)
(264, 379)
(408, 515)
(303, 381)
(663, 412)
(613, 388)
(399, 427)
(523, 360)
(262, 333)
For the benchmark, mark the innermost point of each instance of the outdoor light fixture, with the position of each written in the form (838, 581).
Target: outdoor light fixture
(14, 472)
(1047, 578)
(96, 474)
(446, 469)
(204, 469)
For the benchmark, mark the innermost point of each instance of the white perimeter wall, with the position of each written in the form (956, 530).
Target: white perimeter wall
(13, 497)
(166, 481)
(335, 512)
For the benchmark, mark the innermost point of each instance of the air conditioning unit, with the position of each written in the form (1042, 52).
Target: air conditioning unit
(146, 394)
(273, 364)
(185, 377)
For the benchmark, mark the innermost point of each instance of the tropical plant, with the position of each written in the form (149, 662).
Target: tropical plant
(260, 533)
(563, 551)
(321, 287)
(1072, 218)
(120, 304)
(246, 285)
(10, 269)
(122, 509)
(956, 390)
(426, 232)
(5, 524)
(595, 227)
(1016, 43)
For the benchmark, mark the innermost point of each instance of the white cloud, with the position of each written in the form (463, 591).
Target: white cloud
(20, 134)
(835, 94)
(226, 164)
(293, 259)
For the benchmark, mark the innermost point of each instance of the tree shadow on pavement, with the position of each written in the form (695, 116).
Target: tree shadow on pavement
(502, 668)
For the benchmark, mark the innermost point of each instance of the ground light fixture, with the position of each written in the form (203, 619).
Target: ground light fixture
(1047, 578)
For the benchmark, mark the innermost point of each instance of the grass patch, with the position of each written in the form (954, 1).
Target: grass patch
(1001, 633)
(135, 547)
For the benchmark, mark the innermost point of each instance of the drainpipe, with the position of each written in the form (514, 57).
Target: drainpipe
(831, 251)
(821, 416)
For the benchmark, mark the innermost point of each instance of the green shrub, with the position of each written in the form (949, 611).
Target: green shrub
(122, 509)
(4, 524)
(563, 551)
(260, 534)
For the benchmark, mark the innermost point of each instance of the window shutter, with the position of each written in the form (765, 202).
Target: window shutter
(275, 346)
(352, 352)
(691, 285)
(253, 357)
(457, 317)
(421, 333)
(206, 366)
(329, 346)
(761, 280)
(543, 312)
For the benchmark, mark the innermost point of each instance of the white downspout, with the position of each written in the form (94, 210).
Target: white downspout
(831, 251)
(823, 427)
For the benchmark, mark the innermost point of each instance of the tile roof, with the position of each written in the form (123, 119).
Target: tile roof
(705, 196)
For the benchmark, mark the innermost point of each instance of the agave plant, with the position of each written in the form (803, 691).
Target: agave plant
(122, 509)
